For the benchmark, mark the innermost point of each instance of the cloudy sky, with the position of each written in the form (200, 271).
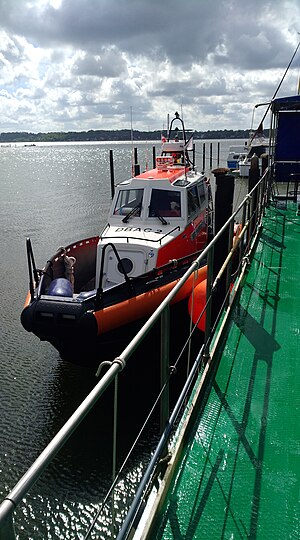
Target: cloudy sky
(93, 64)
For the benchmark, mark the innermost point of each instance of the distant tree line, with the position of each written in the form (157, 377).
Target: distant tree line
(115, 135)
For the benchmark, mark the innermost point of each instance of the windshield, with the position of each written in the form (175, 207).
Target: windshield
(127, 200)
(165, 203)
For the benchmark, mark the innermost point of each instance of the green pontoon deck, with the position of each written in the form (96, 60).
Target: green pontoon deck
(239, 474)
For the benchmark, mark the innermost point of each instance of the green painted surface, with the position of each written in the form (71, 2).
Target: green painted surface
(240, 474)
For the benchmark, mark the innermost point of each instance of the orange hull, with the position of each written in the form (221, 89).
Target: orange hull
(143, 305)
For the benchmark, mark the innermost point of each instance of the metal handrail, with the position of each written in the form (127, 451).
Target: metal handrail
(47, 455)
(15, 496)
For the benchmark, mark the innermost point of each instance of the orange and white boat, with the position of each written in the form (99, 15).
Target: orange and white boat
(158, 224)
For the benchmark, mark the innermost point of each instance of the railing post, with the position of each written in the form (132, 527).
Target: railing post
(164, 367)
(230, 266)
(209, 282)
(7, 529)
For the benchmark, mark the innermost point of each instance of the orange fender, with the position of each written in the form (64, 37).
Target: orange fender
(196, 303)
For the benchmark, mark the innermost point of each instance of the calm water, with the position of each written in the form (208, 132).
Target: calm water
(56, 195)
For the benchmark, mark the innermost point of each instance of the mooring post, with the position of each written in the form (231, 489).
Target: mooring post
(218, 156)
(223, 210)
(264, 162)
(210, 156)
(252, 181)
(112, 174)
(154, 157)
(203, 157)
(136, 165)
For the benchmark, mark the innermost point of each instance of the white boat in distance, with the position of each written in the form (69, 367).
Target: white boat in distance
(235, 155)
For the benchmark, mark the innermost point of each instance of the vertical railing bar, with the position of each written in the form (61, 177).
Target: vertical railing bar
(209, 280)
(7, 529)
(114, 460)
(165, 369)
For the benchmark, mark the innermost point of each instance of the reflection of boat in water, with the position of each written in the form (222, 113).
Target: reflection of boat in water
(157, 225)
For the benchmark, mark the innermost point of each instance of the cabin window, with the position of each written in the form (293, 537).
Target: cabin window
(201, 192)
(193, 201)
(127, 200)
(165, 203)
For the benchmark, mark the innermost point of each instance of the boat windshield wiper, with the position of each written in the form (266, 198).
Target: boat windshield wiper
(132, 212)
(156, 213)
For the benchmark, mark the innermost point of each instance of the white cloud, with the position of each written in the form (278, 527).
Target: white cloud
(82, 64)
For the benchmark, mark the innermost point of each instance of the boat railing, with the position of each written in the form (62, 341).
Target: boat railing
(33, 273)
(40, 279)
(99, 294)
(251, 209)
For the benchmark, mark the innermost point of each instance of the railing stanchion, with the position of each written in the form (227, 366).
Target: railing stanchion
(164, 368)
(7, 529)
(209, 282)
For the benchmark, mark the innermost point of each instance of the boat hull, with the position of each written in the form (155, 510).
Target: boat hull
(89, 328)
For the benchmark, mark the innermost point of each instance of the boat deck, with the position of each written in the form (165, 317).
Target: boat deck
(239, 475)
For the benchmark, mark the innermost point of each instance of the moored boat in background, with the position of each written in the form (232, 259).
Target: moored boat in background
(236, 154)
(258, 146)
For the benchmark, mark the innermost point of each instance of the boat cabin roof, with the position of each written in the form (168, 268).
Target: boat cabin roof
(286, 103)
(170, 173)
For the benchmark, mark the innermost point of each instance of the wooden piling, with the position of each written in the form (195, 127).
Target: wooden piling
(154, 157)
(112, 174)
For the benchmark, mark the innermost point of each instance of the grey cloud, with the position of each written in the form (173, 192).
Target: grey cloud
(184, 34)
(181, 33)
(12, 51)
(109, 63)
